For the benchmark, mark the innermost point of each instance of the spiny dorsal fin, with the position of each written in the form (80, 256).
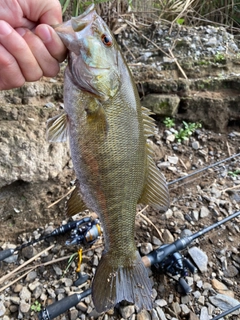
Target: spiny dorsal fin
(148, 122)
(75, 203)
(57, 128)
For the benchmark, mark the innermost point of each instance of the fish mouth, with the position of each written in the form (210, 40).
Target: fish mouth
(81, 22)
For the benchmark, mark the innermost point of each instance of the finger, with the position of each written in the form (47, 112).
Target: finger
(48, 64)
(52, 41)
(48, 12)
(10, 75)
(19, 49)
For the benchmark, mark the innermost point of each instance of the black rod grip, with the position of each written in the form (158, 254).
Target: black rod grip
(62, 306)
(6, 253)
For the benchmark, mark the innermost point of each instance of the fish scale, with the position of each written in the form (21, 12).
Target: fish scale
(108, 131)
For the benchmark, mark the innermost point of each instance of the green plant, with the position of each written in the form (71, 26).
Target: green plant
(36, 306)
(234, 173)
(187, 130)
(219, 57)
(70, 260)
(169, 122)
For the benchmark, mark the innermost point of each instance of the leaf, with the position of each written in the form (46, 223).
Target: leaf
(180, 21)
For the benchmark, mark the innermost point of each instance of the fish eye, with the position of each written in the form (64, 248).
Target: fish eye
(106, 40)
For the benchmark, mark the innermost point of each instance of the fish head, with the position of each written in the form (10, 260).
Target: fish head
(93, 54)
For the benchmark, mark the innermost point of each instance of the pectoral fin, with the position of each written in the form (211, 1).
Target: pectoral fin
(57, 128)
(96, 117)
(75, 203)
(155, 192)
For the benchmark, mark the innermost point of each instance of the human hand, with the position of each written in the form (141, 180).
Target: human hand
(29, 47)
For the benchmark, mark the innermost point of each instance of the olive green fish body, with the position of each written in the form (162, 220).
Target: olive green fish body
(108, 132)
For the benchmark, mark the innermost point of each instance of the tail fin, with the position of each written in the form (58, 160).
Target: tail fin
(113, 284)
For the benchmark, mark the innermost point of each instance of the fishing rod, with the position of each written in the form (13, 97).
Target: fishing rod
(203, 169)
(166, 258)
(85, 231)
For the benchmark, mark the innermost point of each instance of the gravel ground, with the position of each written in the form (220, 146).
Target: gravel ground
(197, 202)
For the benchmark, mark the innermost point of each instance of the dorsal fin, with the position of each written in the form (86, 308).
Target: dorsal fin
(57, 128)
(148, 122)
(155, 192)
(75, 203)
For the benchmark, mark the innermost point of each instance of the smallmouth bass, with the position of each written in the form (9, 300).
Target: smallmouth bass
(108, 131)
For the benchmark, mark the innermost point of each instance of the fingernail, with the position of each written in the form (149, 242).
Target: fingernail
(21, 31)
(44, 33)
(5, 28)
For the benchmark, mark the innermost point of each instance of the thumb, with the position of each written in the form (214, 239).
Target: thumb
(51, 41)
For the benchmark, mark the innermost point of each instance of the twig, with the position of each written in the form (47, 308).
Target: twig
(16, 280)
(183, 164)
(178, 65)
(4, 278)
(37, 266)
(146, 38)
(150, 222)
(235, 187)
(228, 148)
(71, 190)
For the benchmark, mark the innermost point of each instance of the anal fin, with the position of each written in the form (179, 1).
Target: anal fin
(155, 192)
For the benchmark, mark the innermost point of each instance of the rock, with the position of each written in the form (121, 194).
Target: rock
(204, 212)
(178, 215)
(221, 288)
(161, 314)
(176, 308)
(23, 145)
(230, 272)
(29, 252)
(195, 145)
(15, 300)
(185, 309)
(161, 104)
(81, 306)
(199, 257)
(18, 287)
(57, 270)
(171, 138)
(127, 311)
(173, 160)
(146, 248)
(161, 302)
(193, 316)
(204, 314)
(25, 294)
(37, 292)
(167, 236)
(195, 215)
(143, 315)
(224, 302)
(156, 241)
(154, 314)
(24, 307)
(31, 276)
(201, 300)
(73, 314)
(2, 309)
